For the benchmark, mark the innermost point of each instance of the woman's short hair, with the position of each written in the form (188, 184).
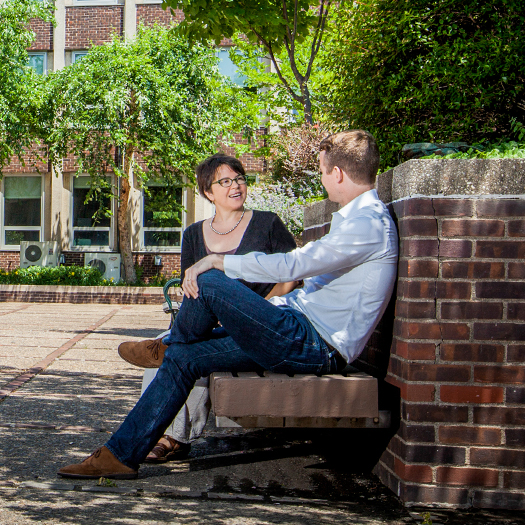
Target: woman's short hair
(354, 151)
(206, 170)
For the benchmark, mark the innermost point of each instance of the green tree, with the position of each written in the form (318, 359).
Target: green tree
(276, 25)
(147, 108)
(20, 93)
(273, 97)
(428, 70)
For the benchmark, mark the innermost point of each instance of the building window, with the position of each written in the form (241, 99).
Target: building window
(38, 61)
(22, 210)
(228, 68)
(76, 56)
(162, 225)
(87, 231)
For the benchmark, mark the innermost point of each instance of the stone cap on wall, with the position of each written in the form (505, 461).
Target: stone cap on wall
(449, 177)
(318, 213)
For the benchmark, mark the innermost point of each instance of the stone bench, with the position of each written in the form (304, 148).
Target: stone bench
(249, 400)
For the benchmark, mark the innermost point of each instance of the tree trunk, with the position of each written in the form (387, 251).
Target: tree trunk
(307, 105)
(123, 221)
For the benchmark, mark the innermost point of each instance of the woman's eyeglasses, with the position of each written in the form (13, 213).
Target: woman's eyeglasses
(227, 182)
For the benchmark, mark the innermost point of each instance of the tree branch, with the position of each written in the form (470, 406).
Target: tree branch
(286, 84)
(318, 37)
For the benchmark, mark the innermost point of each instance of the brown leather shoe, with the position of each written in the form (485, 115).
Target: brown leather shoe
(102, 463)
(145, 354)
(168, 449)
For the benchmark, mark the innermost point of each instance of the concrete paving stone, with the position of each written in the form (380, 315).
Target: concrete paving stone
(102, 344)
(30, 342)
(97, 412)
(36, 353)
(82, 383)
(92, 367)
(24, 506)
(117, 336)
(13, 347)
(19, 363)
(96, 354)
(7, 377)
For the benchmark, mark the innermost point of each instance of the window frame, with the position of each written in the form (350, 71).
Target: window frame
(94, 3)
(44, 55)
(144, 229)
(4, 228)
(110, 229)
(78, 52)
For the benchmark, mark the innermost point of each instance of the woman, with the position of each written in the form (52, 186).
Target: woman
(221, 179)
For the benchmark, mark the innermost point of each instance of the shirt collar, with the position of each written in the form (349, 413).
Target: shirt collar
(365, 199)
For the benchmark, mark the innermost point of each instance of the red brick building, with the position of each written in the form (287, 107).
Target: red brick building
(39, 205)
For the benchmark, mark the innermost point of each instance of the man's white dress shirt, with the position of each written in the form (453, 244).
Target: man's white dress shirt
(349, 274)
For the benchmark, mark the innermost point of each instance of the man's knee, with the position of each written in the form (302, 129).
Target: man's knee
(213, 279)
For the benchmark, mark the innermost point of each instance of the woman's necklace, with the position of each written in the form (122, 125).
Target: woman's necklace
(229, 231)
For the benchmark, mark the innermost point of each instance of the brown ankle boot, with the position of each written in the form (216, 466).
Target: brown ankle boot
(145, 354)
(102, 463)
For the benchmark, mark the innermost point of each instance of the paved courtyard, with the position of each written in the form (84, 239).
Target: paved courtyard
(64, 389)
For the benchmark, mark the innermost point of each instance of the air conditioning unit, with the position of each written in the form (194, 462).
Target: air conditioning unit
(107, 263)
(34, 253)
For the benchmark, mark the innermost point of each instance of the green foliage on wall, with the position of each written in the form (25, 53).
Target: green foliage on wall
(429, 70)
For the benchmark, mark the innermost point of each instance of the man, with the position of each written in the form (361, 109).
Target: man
(348, 278)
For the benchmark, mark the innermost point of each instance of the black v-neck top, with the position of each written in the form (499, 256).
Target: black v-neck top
(264, 233)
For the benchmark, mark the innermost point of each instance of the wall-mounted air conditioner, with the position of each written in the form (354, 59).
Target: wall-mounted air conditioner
(107, 263)
(35, 253)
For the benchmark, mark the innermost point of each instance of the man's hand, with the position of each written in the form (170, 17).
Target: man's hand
(189, 286)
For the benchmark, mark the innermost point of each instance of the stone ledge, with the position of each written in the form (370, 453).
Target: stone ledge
(453, 177)
(83, 294)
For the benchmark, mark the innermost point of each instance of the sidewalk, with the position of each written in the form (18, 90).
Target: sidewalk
(63, 389)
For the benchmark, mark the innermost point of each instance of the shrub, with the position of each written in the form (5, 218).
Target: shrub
(281, 198)
(429, 70)
(503, 150)
(294, 156)
(65, 275)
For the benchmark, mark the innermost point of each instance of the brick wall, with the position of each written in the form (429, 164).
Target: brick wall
(251, 163)
(43, 35)
(150, 14)
(458, 353)
(170, 264)
(92, 25)
(9, 260)
(31, 162)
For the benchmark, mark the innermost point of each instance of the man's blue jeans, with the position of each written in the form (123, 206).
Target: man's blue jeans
(257, 336)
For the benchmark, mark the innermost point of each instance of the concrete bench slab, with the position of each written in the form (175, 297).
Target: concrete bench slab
(274, 396)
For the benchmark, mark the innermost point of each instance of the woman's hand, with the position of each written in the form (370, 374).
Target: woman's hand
(189, 286)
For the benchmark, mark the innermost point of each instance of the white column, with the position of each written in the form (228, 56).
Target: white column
(59, 201)
(130, 18)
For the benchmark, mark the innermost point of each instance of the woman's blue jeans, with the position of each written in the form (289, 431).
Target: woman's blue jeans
(257, 336)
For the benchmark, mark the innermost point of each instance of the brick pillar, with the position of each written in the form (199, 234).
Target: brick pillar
(458, 350)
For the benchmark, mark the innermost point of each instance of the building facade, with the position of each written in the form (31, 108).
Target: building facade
(39, 204)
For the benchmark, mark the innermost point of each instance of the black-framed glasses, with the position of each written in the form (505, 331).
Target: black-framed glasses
(227, 182)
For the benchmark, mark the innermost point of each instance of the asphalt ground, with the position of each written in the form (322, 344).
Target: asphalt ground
(64, 389)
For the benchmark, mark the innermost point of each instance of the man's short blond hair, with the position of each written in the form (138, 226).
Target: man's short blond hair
(355, 152)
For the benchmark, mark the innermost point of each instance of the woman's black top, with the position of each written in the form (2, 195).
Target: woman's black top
(265, 233)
